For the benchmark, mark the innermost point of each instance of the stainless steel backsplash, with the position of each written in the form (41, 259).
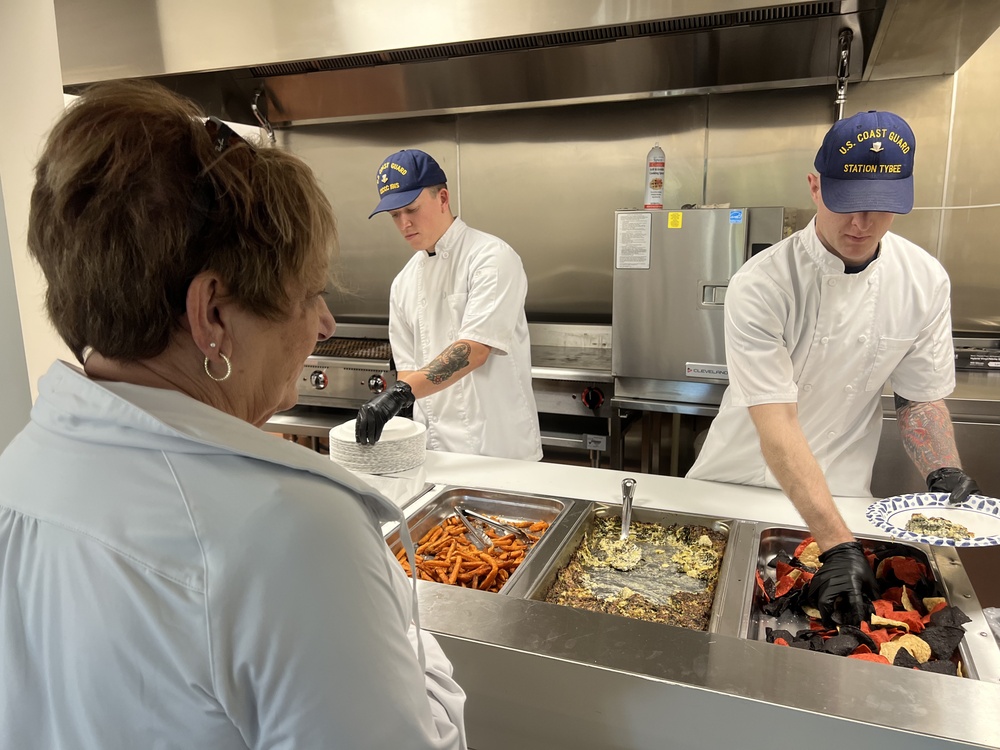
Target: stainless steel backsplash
(548, 180)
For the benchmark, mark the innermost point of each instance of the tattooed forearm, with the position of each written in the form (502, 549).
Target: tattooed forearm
(448, 362)
(927, 433)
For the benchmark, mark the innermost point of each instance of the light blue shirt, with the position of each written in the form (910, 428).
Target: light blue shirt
(173, 577)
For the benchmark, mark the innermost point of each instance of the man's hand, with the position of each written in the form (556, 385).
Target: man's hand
(844, 583)
(373, 416)
(956, 482)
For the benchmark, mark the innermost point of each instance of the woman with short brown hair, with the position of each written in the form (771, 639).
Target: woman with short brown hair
(171, 575)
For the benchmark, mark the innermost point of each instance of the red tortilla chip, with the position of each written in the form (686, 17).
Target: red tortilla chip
(787, 582)
(883, 608)
(908, 570)
(862, 649)
(782, 569)
(936, 608)
(877, 658)
(805, 543)
(913, 619)
(780, 641)
(760, 584)
(879, 635)
(894, 595)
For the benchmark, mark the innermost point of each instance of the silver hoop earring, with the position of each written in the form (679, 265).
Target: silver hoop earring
(229, 369)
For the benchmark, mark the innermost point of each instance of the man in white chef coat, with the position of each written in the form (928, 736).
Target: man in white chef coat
(815, 327)
(457, 327)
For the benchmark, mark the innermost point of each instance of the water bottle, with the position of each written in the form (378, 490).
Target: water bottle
(655, 168)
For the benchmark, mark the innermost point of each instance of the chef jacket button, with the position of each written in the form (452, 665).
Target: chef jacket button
(862, 339)
(423, 303)
(824, 339)
(832, 282)
(807, 387)
(831, 434)
(444, 254)
(849, 388)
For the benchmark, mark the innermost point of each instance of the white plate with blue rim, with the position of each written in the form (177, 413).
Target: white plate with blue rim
(979, 514)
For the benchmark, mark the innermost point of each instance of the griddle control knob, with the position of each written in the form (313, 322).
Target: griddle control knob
(319, 380)
(376, 384)
(592, 397)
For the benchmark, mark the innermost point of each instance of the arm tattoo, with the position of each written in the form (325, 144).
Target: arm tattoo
(927, 433)
(448, 362)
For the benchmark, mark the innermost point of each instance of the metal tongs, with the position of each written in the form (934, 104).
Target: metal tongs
(505, 528)
(628, 492)
(479, 540)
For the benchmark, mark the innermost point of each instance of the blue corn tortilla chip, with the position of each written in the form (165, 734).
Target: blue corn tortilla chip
(862, 636)
(952, 616)
(939, 666)
(943, 640)
(904, 658)
(841, 645)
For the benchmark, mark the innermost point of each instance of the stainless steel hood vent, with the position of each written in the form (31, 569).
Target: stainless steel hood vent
(322, 61)
(703, 22)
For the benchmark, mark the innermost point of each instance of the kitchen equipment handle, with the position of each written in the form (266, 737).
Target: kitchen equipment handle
(628, 492)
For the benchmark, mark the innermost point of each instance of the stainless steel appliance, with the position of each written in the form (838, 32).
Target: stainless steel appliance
(570, 377)
(672, 270)
(347, 370)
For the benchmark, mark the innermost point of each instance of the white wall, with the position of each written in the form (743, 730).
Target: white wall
(31, 80)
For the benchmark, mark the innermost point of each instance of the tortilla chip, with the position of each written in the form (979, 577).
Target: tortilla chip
(943, 640)
(952, 616)
(914, 621)
(842, 645)
(878, 635)
(908, 570)
(905, 659)
(802, 546)
(886, 623)
(940, 667)
(863, 638)
(894, 595)
(906, 601)
(934, 603)
(918, 647)
(787, 582)
(883, 607)
(811, 611)
(809, 556)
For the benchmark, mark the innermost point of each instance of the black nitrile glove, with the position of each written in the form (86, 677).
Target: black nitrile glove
(844, 583)
(954, 481)
(373, 415)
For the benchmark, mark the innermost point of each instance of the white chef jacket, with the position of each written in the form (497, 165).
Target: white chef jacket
(173, 577)
(472, 288)
(800, 330)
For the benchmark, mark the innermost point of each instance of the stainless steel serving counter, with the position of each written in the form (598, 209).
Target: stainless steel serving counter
(541, 675)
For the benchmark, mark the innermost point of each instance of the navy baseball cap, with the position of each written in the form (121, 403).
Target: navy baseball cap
(402, 176)
(866, 164)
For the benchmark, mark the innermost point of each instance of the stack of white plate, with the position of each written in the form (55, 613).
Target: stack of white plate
(401, 447)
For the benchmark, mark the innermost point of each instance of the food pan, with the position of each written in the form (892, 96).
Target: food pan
(979, 658)
(657, 579)
(506, 507)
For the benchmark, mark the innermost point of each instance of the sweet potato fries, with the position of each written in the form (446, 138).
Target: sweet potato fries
(444, 554)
